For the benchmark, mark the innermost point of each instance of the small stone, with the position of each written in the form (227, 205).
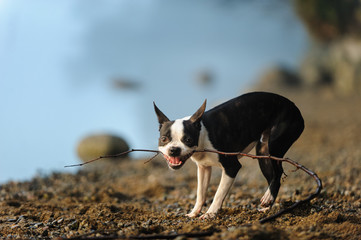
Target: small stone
(312, 228)
(14, 226)
(38, 224)
(20, 219)
(73, 225)
(357, 204)
(180, 238)
(232, 228)
(192, 196)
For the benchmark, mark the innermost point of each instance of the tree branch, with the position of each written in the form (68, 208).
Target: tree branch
(264, 220)
(117, 155)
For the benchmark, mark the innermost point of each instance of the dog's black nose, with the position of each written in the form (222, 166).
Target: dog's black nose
(174, 151)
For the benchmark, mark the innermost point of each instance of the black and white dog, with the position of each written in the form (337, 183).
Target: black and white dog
(268, 121)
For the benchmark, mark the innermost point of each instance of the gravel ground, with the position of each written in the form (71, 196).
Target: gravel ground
(131, 199)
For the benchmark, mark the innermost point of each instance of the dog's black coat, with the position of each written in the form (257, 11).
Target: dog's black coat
(233, 125)
(269, 120)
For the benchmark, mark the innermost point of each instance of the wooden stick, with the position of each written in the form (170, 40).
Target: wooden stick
(264, 220)
(116, 155)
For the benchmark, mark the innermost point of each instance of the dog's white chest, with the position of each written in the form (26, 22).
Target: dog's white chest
(206, 159)
(202, 158)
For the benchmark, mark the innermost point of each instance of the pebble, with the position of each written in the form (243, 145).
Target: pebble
(312, 228)
(192, 196)
(20, 219)
(73, 225)
(39, 224)
(231, 229)
(14, 226)
(357, 204)
(180, 238)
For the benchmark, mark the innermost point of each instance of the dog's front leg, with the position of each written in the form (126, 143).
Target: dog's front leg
(222, 191)
(203, 176)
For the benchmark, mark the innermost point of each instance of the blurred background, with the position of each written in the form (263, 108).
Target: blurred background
(74, 69)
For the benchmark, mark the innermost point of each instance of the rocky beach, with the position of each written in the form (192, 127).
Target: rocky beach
(131, 199)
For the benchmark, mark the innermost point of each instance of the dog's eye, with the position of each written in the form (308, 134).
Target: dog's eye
(188, 140)
(164, 139)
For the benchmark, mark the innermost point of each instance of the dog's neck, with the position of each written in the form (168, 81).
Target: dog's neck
(203, 141)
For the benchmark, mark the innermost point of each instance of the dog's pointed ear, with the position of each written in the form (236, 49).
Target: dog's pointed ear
(198, 115)
(161, 117)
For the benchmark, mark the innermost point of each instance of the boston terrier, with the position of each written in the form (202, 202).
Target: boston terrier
(267, 121)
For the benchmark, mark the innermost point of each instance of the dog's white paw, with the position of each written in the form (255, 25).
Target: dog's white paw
(265, 209)
(208, 216)
(267, 199)
(192, 214)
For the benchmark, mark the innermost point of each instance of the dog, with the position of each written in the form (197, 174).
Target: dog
(269, 122)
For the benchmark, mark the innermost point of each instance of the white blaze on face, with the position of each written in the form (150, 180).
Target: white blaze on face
(177, 133)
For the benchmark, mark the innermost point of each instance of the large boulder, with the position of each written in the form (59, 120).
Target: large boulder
(97, 145)
(333, 61)
(337, 65)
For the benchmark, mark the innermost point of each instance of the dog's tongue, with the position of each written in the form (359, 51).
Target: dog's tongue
(174, 160)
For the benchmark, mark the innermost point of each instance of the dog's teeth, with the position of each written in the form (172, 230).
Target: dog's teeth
(177, 161)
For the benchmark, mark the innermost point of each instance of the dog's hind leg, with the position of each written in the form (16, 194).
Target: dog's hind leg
(268, 168)
(276, 142)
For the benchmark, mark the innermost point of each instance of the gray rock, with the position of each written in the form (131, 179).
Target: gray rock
(336, 65)
(94, 146)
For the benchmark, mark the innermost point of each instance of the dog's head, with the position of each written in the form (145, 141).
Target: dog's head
(178, 139)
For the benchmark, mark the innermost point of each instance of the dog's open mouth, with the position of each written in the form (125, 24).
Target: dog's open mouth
(177, 162)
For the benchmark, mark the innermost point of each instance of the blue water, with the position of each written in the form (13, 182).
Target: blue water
(59, 59)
